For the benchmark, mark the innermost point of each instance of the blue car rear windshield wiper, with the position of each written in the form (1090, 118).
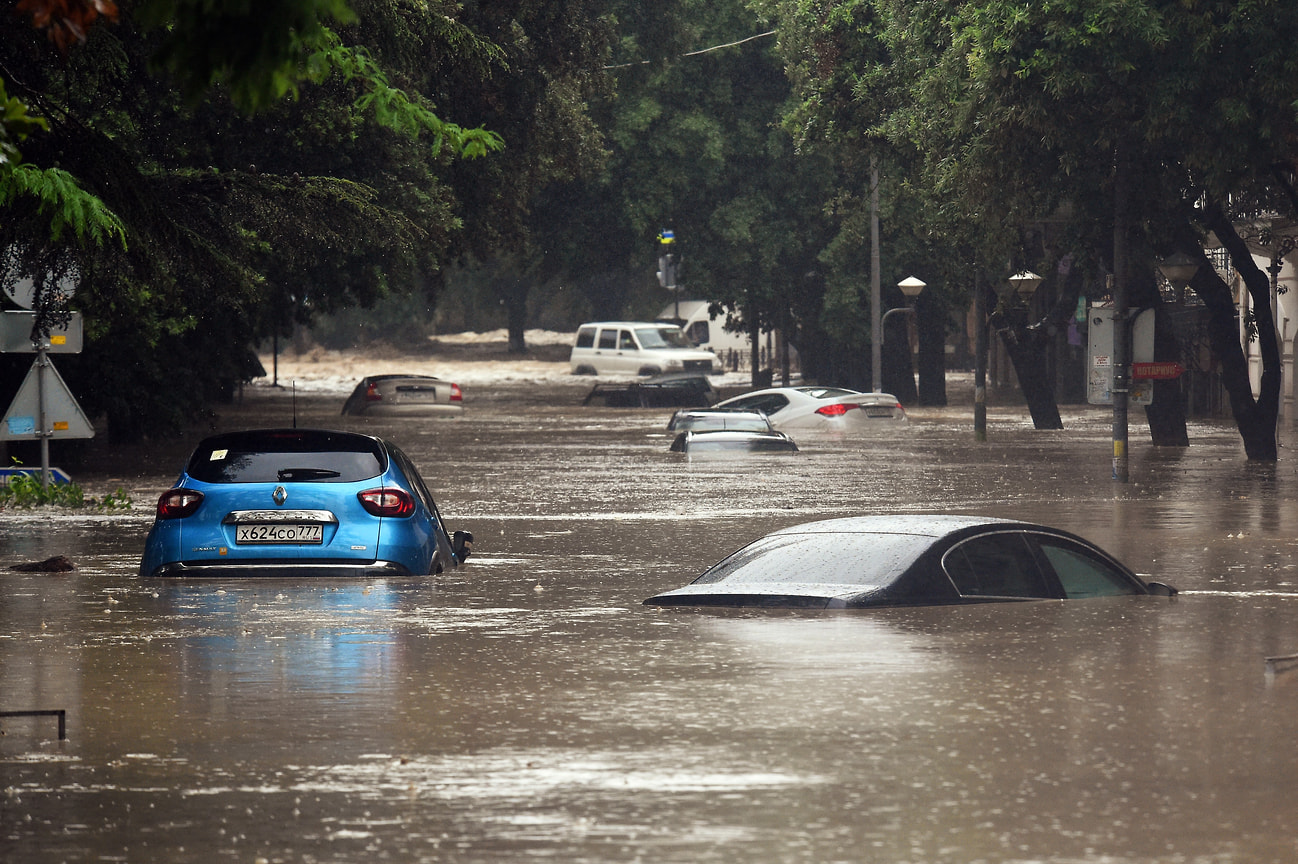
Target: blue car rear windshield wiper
(291, 474)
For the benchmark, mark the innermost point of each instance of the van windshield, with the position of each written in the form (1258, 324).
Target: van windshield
(661, 337)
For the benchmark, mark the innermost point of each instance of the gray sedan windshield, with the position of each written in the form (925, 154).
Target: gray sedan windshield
(870, 560)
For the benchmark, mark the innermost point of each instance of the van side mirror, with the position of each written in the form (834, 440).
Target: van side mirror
(461, 545)
(1161, 589)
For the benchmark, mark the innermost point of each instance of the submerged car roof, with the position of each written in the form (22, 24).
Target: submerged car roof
(921, 524)
(290, 440)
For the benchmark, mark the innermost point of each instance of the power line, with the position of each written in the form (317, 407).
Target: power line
(698, 52)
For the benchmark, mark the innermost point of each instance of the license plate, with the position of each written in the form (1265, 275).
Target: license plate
(279, 533)
(878, 412)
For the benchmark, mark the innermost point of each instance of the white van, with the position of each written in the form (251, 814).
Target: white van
(703, 329)
(635, 348)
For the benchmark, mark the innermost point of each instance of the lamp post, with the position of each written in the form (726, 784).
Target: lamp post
(911, 288)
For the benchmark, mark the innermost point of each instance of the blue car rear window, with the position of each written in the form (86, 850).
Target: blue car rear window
(283, 456)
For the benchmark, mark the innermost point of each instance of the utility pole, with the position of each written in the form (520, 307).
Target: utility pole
(980, 359)
(1121, 330)
(876, 317)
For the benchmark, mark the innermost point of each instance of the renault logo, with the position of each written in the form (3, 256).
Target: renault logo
(280, 495)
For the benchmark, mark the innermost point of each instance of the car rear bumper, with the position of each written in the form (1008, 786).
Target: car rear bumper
(414, 409)
(271, 569)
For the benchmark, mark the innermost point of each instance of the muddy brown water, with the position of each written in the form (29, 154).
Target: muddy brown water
(527, 707)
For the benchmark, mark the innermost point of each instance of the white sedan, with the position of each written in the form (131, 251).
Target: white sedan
(821, 409)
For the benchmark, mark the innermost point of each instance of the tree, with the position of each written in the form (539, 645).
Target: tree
(206, 227)
(1019, 109)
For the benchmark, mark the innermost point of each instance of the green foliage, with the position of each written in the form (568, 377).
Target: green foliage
(25, 491)
(257, 51)
(207, 228)
(61, 200)
(15, 125)
(395, 109)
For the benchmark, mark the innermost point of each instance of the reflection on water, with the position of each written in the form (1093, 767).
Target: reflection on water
(529, 707)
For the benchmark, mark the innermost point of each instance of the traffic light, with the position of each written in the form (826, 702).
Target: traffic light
(667, 260)
(667, 271)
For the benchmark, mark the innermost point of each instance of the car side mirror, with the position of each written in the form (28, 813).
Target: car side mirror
(461, 544)
(1161, 589)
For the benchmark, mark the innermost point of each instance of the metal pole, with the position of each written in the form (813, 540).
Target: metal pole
(980, 360)
(1121, 330)
(42, 362)
(876, 320)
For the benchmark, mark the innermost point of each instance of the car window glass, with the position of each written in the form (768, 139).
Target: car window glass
(995, 565)
(1084, 575)
(626, 342)
(297, 456)
(767, 403)
(608, 339)
(698, 332)
(586, 337)
(827, 392)
(662, 337)
(830, 558)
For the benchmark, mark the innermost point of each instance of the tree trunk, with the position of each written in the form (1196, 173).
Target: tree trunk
(1166, 414)
(516, 312)
(1027, 351)
(1256, 419)
(898, 372)
(931, 317)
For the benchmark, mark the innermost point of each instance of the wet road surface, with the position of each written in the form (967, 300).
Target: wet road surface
(527, 707)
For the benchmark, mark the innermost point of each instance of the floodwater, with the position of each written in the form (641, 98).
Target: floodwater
(527, 707)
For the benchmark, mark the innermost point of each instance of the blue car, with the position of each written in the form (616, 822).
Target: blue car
(299, 502)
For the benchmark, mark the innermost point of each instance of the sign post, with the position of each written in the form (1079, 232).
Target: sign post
(44, 407)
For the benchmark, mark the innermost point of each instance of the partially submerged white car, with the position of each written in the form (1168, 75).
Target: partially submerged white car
(822, 409)
(636, 348)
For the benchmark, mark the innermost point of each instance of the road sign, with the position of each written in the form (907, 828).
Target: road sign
(1157, 370)
(16, 334)
(58, 475)
(24, 291)
(63, 416)
(1099, 382)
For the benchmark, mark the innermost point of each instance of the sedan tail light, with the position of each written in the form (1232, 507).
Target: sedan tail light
(838, 409)
(178, 503)
(372, 394)
(387, 502)
(456, 394)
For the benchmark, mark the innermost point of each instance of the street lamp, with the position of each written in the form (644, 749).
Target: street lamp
(911, 288)
(1178, 269)
(1023, 284)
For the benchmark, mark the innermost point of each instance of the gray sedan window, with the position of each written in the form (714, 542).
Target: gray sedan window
(838, 559)
(995, 565)
(1084, 575)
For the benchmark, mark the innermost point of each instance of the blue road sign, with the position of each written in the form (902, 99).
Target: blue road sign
(57, 475)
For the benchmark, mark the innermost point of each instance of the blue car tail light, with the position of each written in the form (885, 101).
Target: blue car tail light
(387, 501)
(178, 503)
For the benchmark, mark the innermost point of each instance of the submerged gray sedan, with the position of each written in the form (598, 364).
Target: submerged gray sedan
(910, 561)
